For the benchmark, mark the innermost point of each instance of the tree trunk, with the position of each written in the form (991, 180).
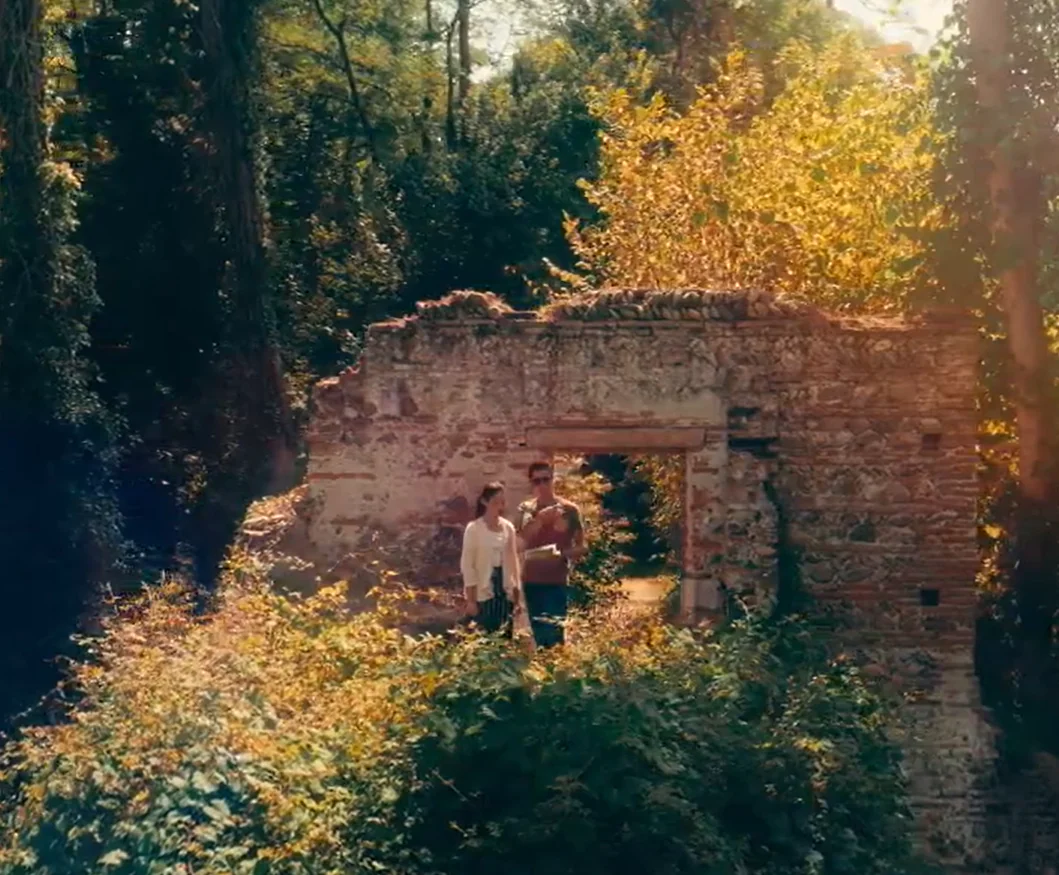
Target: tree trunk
(463, 14)
(58, 521)
(229, 37)
(1016, 208)
(24, 245)
(1016, 211)
(450, 87)
(722, 26)
(26, 271)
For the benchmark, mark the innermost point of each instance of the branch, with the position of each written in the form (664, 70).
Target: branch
(338, 32)
(323, 55)
(450, 89)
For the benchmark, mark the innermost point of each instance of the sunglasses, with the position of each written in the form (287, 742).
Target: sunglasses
(540, 481)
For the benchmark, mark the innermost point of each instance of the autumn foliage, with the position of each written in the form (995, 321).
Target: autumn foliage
(809, 174)
(283, 736)
(821, 191)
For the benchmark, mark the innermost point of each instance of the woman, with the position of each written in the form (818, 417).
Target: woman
(489, 564)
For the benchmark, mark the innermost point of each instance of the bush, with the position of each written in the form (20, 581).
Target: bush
(282, 736)
(597, 576)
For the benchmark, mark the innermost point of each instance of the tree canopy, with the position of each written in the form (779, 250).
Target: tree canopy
(822, 190)
(203, 205)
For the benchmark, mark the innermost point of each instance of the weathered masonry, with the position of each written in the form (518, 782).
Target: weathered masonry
(839, 452)
(850, 442)
(840, 449)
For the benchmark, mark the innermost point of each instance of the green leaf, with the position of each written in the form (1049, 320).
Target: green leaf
(218, 810)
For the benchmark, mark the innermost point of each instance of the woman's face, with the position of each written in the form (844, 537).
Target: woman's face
(496, 504)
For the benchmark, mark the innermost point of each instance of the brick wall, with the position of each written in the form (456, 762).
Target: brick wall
(849, 443)
(856, 436)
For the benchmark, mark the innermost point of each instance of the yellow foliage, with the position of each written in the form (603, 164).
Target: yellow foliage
(297, 688)
(263, 678)
(285, 736)
(825, 193)
(665, 477)
(584, 490)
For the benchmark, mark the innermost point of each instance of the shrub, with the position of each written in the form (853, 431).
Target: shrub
(597, 577)
(281, 736)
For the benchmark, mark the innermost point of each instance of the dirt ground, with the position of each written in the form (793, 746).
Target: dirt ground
(646, 590)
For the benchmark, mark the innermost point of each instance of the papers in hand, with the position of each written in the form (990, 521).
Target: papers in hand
(548, 551)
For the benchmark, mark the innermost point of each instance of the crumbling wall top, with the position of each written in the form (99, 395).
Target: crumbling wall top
(673, 305)
(664, 305)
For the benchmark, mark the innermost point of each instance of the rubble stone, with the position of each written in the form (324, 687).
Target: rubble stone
(850, 442)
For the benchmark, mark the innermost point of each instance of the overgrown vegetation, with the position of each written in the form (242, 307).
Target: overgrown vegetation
(596, 578)
(820, 190)
(283, 737)
(866, 180)
(202, 205)
(258, 182)
(59, 521)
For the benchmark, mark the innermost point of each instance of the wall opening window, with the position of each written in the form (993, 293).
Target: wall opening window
(931, 442)
(929, 598)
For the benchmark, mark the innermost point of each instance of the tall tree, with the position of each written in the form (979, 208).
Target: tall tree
(1016, 207)
(230, 40)
(1011, 54)
(463, 17)
(59, 529)
(149, 220)
(173, 216)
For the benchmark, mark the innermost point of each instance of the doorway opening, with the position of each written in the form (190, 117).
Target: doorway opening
(646, 491)
(634, 510)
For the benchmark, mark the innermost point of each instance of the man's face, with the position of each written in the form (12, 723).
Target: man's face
(541, 483)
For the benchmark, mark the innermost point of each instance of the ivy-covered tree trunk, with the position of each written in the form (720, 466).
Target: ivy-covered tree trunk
(264, 429)
(58, 523)
(22, 153)
(1017, 208)
(1016, 212)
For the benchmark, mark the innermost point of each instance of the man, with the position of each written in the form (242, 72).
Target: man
(542, 521)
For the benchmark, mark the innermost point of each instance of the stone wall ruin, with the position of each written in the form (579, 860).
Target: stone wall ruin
(835, 453)
(857, 436)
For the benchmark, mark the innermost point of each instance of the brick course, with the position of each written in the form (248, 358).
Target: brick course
(860, 432)
(851, 441)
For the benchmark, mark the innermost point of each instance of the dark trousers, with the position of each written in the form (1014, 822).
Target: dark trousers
(546, 604)
(494, 615)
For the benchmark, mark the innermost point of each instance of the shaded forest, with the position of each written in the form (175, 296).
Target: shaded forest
(203, 205)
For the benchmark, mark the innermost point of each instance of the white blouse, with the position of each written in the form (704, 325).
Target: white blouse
(484, 550)
(497, 542)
